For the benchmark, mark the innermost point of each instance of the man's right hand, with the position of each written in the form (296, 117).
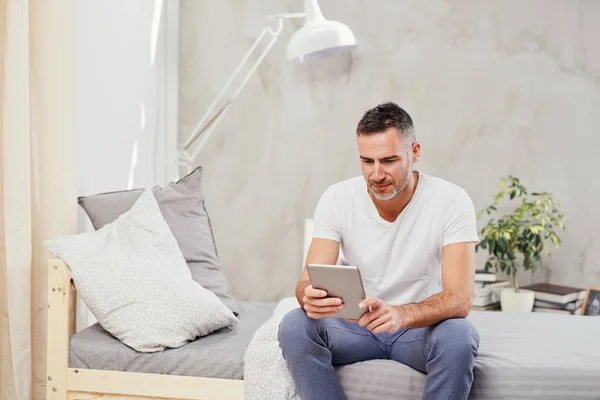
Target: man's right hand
(318, 305)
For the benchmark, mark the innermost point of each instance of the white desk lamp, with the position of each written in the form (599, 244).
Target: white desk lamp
(318, 38)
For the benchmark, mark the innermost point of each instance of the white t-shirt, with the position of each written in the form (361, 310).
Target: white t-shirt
(400, 262)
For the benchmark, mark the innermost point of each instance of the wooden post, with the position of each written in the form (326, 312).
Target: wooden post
(61, 325)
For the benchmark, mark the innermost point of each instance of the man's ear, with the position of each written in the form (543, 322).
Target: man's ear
(416, 152)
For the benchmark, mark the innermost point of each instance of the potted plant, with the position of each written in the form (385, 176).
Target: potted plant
(518, 238)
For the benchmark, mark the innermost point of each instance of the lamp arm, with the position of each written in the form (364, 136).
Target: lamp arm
(205, 128)
(254, 67)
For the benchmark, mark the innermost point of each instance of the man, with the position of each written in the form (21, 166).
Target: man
(413, 238)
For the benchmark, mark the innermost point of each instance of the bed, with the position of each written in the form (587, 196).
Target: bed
(218, 355)
(124, 381)
(529, 356)
(521, 356)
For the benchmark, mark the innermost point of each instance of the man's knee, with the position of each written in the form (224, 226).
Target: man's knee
(455, 338)
(294, 328)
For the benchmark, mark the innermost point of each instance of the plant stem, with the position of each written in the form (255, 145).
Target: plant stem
(515, 281)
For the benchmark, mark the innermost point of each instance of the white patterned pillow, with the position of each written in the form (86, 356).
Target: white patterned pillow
(134, 279)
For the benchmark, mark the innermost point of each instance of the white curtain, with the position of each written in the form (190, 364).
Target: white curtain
(37, 178)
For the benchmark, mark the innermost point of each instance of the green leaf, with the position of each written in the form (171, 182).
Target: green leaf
(498, 197)
(503, 266)
(503, 243)
(488, 266)
(555, 239)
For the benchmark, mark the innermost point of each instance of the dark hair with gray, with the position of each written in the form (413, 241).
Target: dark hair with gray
(385, 116)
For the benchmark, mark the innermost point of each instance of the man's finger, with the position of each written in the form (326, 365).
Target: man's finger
(322, 310)
(383, 328)
(328, 301)
(312, 292)
(373, 302)
(370, 316)
(379, 325)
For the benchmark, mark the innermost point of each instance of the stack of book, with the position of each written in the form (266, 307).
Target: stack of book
(487, 291)
(557, 298)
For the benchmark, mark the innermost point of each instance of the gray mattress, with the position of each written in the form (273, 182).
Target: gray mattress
(218, 355)
(521, 356)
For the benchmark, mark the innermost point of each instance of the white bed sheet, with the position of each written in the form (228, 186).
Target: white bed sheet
(521, 356)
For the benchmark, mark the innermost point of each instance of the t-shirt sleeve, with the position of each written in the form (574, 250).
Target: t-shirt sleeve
(327, 217)
(460, 220)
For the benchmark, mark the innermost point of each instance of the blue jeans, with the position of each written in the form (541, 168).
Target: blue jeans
(446, 352)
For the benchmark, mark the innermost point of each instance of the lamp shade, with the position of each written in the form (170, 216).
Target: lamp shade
(319, 37)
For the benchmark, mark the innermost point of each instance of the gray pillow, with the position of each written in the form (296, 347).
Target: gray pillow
(182, 206)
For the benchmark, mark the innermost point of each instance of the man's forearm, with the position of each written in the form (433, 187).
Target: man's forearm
(436, 308)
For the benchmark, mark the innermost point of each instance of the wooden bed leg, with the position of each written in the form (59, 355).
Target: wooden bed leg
(61, 325)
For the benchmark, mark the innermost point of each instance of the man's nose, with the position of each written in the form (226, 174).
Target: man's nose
(378, 173)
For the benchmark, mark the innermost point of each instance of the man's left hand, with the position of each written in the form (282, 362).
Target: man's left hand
(381, 317)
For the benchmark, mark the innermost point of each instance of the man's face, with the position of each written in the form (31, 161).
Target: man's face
(386, 163)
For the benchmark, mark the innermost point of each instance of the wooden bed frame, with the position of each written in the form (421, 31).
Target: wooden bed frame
(64, 383)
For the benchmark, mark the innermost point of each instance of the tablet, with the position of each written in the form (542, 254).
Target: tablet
(340, 281)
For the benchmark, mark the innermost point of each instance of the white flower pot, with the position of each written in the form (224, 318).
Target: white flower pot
(521, 301)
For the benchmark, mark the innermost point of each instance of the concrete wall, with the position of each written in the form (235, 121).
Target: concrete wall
(494, 88)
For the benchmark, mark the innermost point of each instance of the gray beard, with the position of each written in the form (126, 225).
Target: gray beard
(396, 190)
